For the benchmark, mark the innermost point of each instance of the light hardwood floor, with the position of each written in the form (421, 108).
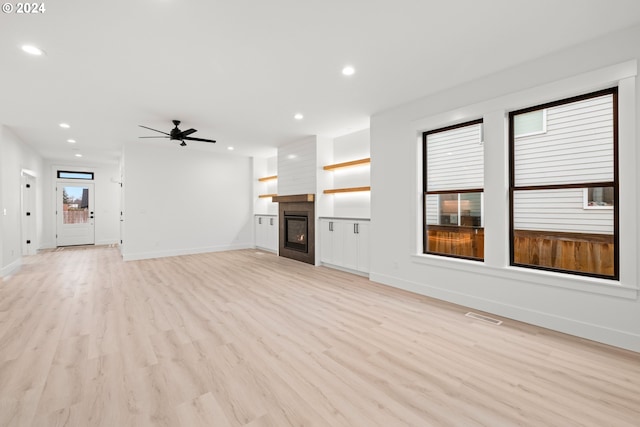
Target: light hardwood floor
(244, 338)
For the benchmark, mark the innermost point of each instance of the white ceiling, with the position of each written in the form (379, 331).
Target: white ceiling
(238, 70)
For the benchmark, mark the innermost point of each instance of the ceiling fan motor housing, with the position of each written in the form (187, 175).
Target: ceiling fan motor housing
(175, 132)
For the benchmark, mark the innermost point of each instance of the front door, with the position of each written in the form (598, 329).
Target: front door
(75, 222)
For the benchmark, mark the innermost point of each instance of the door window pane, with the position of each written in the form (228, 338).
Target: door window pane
(75, 205)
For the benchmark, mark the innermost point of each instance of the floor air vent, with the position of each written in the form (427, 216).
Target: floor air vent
(484, 318)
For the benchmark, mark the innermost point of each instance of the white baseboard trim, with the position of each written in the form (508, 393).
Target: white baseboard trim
(180, 252)
(9, 269)
(346, 270)
(590, 331)
(103, 242)
(275, 251)
(107, 242)
(47, 245)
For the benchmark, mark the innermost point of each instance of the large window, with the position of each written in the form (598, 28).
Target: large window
(453, 182)
(564, 186)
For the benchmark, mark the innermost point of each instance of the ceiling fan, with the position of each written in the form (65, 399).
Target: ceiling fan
(177, 134)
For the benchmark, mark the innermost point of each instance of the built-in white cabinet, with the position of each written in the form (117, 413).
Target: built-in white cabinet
(266, 232)
(332, 236)
(345, 243)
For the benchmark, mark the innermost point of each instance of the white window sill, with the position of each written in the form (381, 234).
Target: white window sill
(532, 276)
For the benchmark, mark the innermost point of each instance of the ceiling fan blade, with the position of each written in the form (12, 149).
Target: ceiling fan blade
(187, 132)
(153, 137)
(155, 130)
(199, 139)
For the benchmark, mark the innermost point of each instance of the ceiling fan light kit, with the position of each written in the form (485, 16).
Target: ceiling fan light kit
(177, 134)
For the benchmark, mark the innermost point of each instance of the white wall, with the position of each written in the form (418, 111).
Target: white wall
(107, 201)
(181, 200)
(597, 309)
(346, 148)
(16, 156)
(263, 167)
(297, 167)
(324, 180)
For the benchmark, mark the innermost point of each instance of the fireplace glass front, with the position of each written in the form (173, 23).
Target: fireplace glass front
(296, 232)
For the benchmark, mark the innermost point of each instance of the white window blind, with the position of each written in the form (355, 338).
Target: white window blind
(577, 147)
(455, 159)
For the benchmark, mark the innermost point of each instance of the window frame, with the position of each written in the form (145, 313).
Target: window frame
(59, 172)
(613, 91)
(425, 192)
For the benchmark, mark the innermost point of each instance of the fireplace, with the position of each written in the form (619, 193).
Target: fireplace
(296, 231)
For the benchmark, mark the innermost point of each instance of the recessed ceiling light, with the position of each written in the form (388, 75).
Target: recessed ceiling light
(32, 50)
(78, 155)
(71, 141)
(291, 156)
(348, 70)
(230, 148)
(298, 116)
(64, 125)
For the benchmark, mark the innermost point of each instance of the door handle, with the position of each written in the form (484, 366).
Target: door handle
(330, 225)
(270, 221)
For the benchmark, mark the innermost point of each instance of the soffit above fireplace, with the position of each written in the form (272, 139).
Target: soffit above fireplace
(296, 198)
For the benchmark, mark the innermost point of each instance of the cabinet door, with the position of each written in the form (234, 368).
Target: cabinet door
(332, 234)
(340, 230)
(260, 232)
(272, 233)
(326, 241)
(363, 247)
(350, 256)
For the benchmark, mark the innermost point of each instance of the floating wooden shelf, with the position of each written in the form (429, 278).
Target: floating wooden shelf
(294, 198)
(347, 164)
(264, 196)
(268, 178)
(346, 190)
